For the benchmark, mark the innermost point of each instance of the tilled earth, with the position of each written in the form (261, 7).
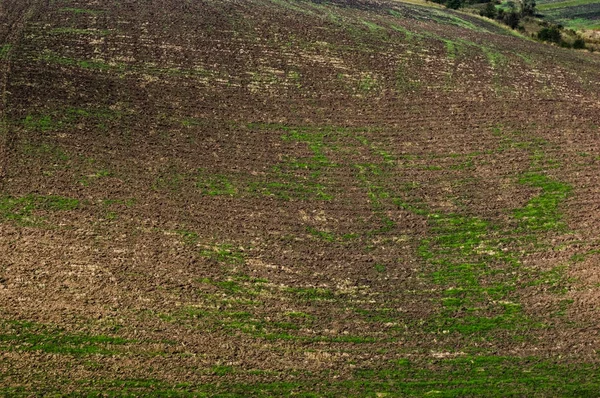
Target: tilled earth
(281, 197)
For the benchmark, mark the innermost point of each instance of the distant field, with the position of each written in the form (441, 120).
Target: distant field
(574, 14)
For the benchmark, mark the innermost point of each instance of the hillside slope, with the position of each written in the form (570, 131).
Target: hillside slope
(277, 197)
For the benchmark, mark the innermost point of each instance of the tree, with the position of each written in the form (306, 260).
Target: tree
(489, 11)
(550, 34)
(454, 4)
(500, 14)
(579, 43)
(528, 8)
(512, 19)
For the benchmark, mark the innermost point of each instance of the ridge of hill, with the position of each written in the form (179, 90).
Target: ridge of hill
(294, 197)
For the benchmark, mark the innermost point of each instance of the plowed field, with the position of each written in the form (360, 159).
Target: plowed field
(293, 197)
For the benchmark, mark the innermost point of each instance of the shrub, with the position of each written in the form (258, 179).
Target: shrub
(454, 4)
(579, 43)
(489, 11)
(512, 19)
(551, 34)
(528, 8)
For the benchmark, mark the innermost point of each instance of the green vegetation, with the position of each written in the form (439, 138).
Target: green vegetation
(25, 210)
(545, 6)
(5, 50)
(581, 23)
(495, 58)
(311, 293)
(215, 184)
(550, 34)
(86, 180)
(189, 237)
(302, 178)
(42, 122)
(236, 305)
(408, 35)
(367, 83)
(169, 179)
(462, 251)
(50, 151)
(542, 212)
(240, 295)
(28, 336)
(328, 236)
(323, 235)
(223, 253)
(582, 256)
(473, 376)
(451, 49)
(51, 57)
(315, 254)
(376, 194)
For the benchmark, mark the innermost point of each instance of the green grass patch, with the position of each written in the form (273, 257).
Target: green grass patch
(213, 184)
(303, 178)
(169, 179)
(495, 58)
(27, 336)
(40, 123)
(225, 253)
(322, 235)
(582, 256)
(242, 321)
(465, 376)
(53, 152)
(542, 213)
(5, 50)
(23, 210)
(545, 6)
(475, 260)
(222, 370)
(374, 28)
(294, 178)
(581, 23)
(98, 65)
(189, 237)
(408, 35)
(380, 268)
(368, 174)
(452, 49)
(367, 83)
(61, 119)
(552, 278)
(480, 377)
